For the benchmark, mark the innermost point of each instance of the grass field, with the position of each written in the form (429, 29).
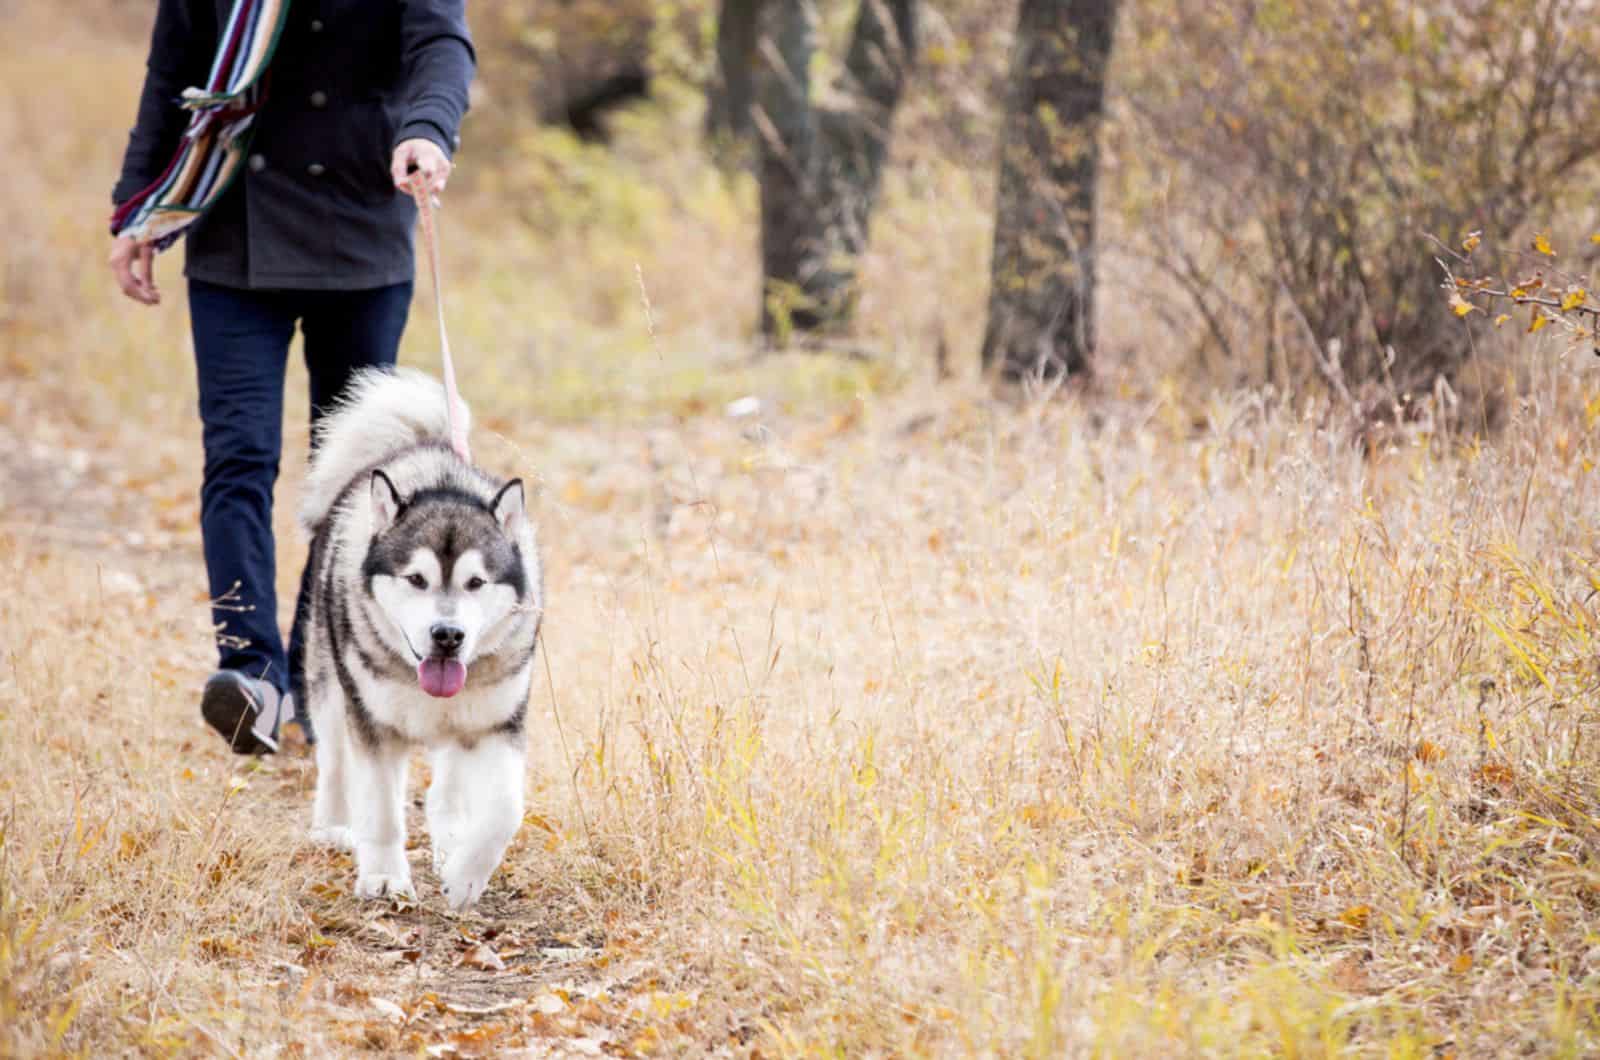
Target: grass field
(896, 719)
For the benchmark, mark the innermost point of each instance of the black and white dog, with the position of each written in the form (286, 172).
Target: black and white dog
(425, 610)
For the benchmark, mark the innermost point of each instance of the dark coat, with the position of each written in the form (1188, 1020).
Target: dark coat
(314, 206)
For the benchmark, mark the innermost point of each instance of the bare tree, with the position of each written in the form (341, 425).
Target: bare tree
(1041, 300)
(819, 165)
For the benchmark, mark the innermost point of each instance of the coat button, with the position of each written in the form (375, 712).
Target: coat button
(316, 169)
(319, 99)
(257, 163)
(316, 25)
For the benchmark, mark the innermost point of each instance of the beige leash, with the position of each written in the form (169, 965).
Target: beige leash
(453, 407)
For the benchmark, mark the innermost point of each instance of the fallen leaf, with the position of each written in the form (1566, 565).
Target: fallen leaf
(476, 1036)
(131, 846)
(540, 823)
(400, 956)
(482, 957)
(387, 932)
(480, 1010)
(1356, 916)
(388, 1009)
(217, 947)
(1496, 773)
(1428, 752)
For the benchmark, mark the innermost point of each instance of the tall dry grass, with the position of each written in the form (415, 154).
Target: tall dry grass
(893, 720)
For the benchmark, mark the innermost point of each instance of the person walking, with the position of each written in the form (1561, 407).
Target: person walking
(359, 99)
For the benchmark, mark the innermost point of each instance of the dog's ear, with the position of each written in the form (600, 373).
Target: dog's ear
(508, 506)
(385, 502)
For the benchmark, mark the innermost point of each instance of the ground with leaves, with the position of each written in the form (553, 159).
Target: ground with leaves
(879, 717)
(922, 725)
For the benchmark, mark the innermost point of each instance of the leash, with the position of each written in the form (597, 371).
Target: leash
(452, 397)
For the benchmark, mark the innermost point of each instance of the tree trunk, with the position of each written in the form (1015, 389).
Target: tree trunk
(820, 169)
(1041, 298)
(786, 131)
(731, 97)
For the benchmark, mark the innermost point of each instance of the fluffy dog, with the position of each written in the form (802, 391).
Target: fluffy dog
(424, 616)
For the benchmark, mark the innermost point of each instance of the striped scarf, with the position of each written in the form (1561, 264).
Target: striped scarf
(218, 135)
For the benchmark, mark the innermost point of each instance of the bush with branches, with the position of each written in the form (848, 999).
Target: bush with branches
(1302, 160)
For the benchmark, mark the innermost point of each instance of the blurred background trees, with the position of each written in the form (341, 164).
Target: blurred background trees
(1041, 295)
(1300, 158)
(821, 152)
(1275, 178)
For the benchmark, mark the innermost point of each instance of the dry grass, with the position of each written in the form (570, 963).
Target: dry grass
(896, 721)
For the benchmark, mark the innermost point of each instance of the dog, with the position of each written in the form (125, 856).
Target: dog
(424, 613)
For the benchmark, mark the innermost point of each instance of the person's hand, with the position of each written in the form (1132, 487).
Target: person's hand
(426, 159)
(133, 264)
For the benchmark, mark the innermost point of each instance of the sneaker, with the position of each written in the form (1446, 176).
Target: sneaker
(244, 710)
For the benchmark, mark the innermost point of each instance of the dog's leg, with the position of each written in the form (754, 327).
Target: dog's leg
(443, 805)
(377, 778)
(487, 789)
(330, 811)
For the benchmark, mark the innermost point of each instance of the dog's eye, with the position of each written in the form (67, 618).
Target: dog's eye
(475, 583)
(418, 581)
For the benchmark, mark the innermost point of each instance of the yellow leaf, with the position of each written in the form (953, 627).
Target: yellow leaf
(1595, 238)
(1573, 299)
(1461, 306)
(1462, 964)
(1470, 243)
(1356, 916)
(1501, 319)
(1541, 243)
(1539, 321)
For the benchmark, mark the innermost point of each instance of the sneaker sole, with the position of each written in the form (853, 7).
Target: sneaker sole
(228, 708)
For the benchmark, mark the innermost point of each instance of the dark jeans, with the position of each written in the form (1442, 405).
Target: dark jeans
(241, 345)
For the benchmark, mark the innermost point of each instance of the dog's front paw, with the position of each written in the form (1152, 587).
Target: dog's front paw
(336, 836)
(384, 885)
(464, 879)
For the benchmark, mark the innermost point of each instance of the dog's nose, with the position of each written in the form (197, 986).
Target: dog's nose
(447, 637)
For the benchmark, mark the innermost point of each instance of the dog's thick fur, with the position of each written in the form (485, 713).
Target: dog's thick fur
(423, 569)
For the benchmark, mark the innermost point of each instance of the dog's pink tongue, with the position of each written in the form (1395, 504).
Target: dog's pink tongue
(441, 677)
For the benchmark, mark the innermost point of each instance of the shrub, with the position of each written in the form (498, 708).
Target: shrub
(1308, 152)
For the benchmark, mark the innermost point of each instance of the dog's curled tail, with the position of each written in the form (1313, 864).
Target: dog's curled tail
(381, 413)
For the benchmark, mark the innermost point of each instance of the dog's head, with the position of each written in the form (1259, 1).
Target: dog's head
(444, 570)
